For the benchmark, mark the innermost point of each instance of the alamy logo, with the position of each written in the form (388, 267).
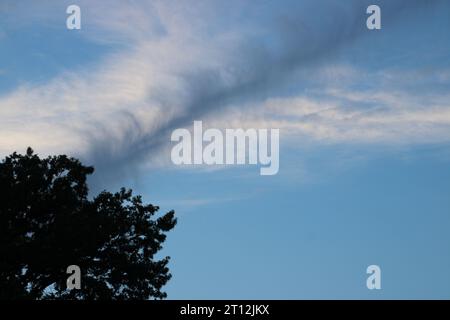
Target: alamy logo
(74, 280)
(236, 146)
(374, 20)
(374, 280)
(73, 21)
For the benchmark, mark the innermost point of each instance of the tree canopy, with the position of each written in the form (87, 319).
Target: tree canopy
(48, 222)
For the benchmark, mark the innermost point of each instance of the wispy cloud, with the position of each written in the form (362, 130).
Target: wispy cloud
(387, 114)
(184, 61)
(194, 203)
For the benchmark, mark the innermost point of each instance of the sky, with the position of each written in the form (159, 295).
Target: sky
(364, 120)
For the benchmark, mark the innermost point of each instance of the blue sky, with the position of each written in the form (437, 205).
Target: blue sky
(364, 119)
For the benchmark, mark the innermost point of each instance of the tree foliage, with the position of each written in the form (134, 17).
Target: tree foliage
(47, 222)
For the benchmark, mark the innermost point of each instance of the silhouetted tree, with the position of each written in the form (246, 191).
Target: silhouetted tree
(47, 223)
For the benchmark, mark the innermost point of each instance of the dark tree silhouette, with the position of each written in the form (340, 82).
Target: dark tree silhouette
(47, 223)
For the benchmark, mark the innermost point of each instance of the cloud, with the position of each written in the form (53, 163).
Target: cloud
(183, 62)
(389, 113)
(193, 203)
